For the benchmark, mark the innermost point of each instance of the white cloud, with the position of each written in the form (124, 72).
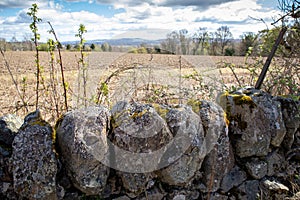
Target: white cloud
(21, 3)
(140, 15)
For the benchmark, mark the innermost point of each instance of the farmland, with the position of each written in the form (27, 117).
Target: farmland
(141, 77)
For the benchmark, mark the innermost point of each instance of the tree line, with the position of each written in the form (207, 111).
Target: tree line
(202, 42)
(221, 42)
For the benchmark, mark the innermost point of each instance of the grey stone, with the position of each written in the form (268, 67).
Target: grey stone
(138, 132)
(4, 152)
(122, 198)
(60, 191)
(256, 168)
(72, 196)
(139, 136)
(34, 164)
(5, 169)
(291, 116)
(273, 112)
(233, 179)
(213, 119)
(296, 143)
(255, 122)
(249, 190)
(180, 197)
(220, 159)
(185, 124)
(216, 196)
(276, 163)
(153, 194)
(82, 139)
(136, 183)
(274, 186)
(9, 126)
(7, 191)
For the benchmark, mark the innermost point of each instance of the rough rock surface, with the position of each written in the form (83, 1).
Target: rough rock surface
(273, 111)
(9, 126)
(276, 163)
(34, 165)
(142, 133)
(81, 137)
(138, 133)
(249, 190)
(291, 116)
(186, 126)
(256, 168)
(233, 179)
(255, 121)
(220, 158)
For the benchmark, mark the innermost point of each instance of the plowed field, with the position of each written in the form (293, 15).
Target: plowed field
(133, 77)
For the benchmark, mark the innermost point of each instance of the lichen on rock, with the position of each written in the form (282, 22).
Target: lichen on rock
(191, 149)
(255, 121)
(34, 164)
(81, 137)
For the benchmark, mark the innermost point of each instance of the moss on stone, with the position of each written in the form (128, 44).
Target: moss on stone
(242, 100)
(138, 114)
(227, 100)
(161, 111)
(227, 121)
(195, 105)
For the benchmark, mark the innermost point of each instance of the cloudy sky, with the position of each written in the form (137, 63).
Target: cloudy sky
(105, 19)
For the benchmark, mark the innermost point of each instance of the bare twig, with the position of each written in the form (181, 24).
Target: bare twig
(13, 79)
(61, 66)
(104, 83)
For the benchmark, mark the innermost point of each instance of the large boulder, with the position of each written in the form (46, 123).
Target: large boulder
(185, 156)
(273, 112)
(34, 164)
(82, 141)
(138, 135)
(137, 138)
(256, 121)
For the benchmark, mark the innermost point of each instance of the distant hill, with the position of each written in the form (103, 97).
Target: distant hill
(120, 42)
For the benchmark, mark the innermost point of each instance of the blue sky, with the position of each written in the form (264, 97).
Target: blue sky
(105, 19)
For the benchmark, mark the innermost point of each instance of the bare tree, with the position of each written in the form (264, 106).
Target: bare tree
(213, 44)
(223, 37)
(290, 8)
(248, 40)
(200, 40)
(184, 41)
(171, 43)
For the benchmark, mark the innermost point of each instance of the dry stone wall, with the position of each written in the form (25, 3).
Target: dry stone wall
(245, 146)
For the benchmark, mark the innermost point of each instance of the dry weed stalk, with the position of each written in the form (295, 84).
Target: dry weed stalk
(22, 97)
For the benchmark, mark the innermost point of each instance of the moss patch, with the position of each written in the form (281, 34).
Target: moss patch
(242, 100)
(195, 105)
(161, 110)
(227, 101)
